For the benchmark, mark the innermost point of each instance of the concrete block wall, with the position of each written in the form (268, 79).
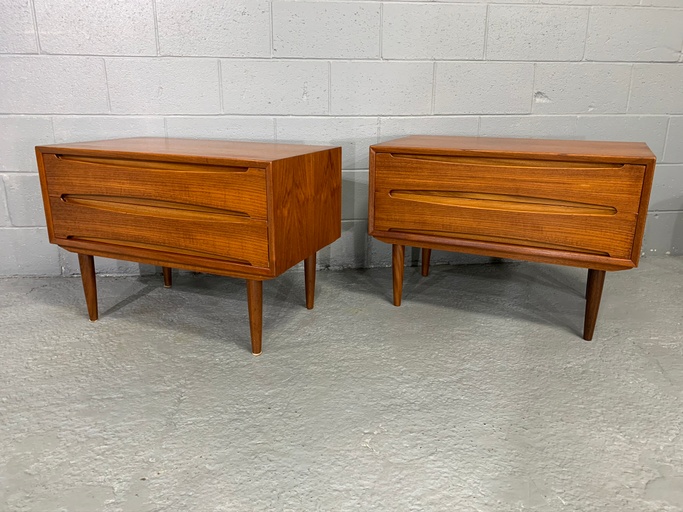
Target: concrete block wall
(348, 73)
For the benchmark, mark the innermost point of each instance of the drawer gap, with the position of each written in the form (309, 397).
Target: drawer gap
(150, 164)
(505, 202)
(507, 162)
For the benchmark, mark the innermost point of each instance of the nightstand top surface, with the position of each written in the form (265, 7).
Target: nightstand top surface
(510, 147)
(187, 150)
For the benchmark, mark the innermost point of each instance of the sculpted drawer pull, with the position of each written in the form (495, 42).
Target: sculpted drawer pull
(150, 164)
(508, 162)
(146, 206)
(504, 202)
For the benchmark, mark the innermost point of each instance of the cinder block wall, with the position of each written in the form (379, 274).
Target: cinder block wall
(349, 73)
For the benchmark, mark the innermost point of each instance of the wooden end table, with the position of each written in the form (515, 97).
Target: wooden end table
(247, 210)
(577, 203)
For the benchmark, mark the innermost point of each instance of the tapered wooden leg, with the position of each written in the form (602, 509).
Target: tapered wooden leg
(397, 261)
(87, 264)
(168, 276)
(426, 255)
(596, 280)
(255, 301)
(309, 279)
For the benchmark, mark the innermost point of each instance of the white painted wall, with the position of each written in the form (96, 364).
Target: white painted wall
(350, 73)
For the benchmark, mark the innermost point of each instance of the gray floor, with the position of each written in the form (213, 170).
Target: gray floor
(478, 394)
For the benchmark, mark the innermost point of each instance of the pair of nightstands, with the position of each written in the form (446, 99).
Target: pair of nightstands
(254, 210)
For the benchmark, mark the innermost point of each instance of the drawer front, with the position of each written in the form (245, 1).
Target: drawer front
(158, 226)
(230, 190)
(580, 207)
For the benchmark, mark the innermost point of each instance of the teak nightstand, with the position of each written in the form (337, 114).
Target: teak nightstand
(247, 210)
(566, 202)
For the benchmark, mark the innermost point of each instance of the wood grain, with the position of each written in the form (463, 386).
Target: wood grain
(222, 188)
(613, 187)
(306, 206)
(539, 149)
(216, 236)
(196, 151)
(571, 232)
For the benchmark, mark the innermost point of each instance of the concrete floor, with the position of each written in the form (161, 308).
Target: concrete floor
(478, 394)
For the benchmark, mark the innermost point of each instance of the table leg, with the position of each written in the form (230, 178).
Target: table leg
(168, 276)
(255, 302)
(87, 264)
(596, 280)
(397, 262)
(426, 256)
(309, 280)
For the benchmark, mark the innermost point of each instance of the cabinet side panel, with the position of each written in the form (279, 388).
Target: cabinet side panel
(642, 212)
(371, 192)
(306, 206)
(46, 196)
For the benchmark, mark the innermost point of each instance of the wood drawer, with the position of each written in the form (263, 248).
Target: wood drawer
(160, 226)
(207, 211)
(583, 207)
(219, 189)
(243, 209)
